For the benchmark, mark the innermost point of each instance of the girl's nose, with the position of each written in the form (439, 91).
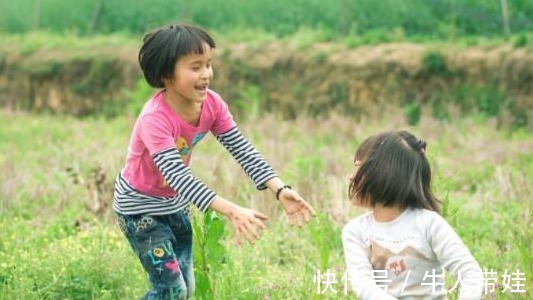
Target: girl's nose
(205, 74)
(208, 72)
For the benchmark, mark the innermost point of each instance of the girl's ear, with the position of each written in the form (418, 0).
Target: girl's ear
(166, 81)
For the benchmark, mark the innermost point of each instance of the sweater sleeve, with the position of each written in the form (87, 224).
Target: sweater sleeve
(455, 257)
(179, 177)
(358, 265)
(253, 163)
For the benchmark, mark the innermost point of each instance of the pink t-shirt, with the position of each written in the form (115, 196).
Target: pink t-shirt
(159, 128)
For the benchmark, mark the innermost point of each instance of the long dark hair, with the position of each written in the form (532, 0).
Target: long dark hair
(163, 47)
(393, 171)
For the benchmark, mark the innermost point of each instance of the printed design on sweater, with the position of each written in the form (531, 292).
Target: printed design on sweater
(383, 258)
(183, 147)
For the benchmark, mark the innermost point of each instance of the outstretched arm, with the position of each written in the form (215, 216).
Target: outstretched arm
(253, 163)
(179, 177)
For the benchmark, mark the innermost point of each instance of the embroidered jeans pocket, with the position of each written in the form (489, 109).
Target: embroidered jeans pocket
(144, 223)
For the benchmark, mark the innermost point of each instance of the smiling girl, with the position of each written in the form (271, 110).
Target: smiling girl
(154, 190)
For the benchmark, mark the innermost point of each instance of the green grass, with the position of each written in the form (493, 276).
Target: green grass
(76, 45)
(54, 245)
(44, 41)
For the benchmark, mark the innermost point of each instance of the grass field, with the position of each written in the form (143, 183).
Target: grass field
(59, 240)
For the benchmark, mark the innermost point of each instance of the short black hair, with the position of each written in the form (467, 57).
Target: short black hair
(163, 47)
(393, 171)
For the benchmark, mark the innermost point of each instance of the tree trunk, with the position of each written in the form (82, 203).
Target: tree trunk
(36, 14)
(343, 17)
(505, 19)
(96, 16)
(452, 23)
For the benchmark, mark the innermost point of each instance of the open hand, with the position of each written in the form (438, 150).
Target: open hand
(296, 208)
(245, 221)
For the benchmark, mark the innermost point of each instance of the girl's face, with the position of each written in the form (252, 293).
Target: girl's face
(190, 80)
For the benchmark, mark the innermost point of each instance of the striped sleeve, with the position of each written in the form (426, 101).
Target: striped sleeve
(253, 163)
(179, 178)
(129, 201)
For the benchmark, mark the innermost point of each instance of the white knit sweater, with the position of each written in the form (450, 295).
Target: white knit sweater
(408, 258)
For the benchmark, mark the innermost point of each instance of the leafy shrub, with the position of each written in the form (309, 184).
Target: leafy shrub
(435, 63)
(521, 41)
(412, 113)
(208, 251)
(489, 101)
(249, 105)
(138, 97)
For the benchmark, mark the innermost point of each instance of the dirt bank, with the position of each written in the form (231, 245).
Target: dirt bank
(287, 78)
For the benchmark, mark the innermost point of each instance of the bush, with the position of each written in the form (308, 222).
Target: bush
(435, 63)
(412, 113)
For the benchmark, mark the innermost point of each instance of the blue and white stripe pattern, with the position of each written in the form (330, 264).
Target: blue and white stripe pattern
(179, 178)
(129, 201)
(253, 163)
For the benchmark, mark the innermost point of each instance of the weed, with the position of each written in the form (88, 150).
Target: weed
(138, 97)
(250, 103)
(209, 251)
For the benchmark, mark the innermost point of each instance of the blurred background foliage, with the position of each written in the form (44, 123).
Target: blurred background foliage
(440, 19)
(69, 55)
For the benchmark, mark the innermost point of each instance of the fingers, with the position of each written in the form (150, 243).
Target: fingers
(302, 214)
(299, 221)
(246, 229)
(307, 218)
(237, 232)
(261, 216)
(247, 234)
(250, 232)
(290, 220)
(304, 206)
(258, 223)
(246, 225)
(308, 208)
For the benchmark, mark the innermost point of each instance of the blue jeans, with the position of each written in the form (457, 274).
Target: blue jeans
(164, 247)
